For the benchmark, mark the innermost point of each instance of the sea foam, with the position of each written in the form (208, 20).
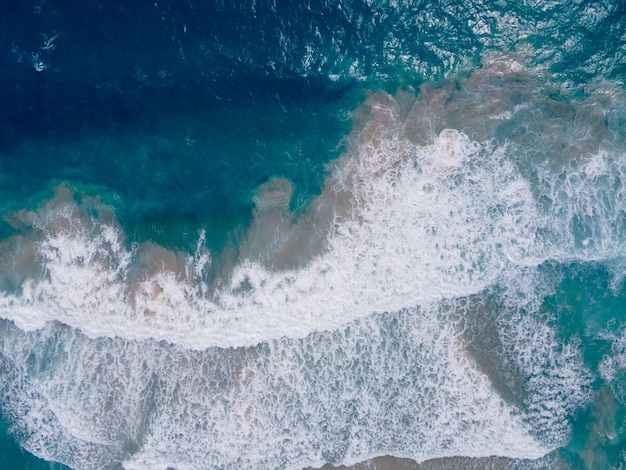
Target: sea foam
(341, 331)
(398, 224)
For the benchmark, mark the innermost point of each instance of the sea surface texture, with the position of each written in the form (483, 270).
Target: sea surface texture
(282, 234)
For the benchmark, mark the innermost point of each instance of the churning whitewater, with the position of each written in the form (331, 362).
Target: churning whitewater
(356, 326)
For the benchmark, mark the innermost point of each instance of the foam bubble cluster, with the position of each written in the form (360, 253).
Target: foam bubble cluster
(395, 384)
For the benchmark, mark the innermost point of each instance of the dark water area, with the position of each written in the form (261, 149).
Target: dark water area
(189, 155)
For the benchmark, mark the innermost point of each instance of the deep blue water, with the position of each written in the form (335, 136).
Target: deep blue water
(288, 233)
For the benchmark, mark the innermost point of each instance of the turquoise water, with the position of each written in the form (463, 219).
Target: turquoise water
(290, 234)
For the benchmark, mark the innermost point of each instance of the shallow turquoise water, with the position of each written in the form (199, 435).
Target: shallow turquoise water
(279, 235)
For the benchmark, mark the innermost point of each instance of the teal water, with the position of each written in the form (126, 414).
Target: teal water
(290, 234)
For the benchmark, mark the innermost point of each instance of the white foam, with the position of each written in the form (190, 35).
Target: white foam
(398, 384)
(424, 229)
(556, 380)
(426, 222)
(616, 360)
(37, 427)
(356, 351)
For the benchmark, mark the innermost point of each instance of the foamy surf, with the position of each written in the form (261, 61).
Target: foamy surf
(406, 218)
(355, 327)
(415, 229)
(397, 384)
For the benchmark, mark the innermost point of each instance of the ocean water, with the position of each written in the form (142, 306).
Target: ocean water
(312, 234)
